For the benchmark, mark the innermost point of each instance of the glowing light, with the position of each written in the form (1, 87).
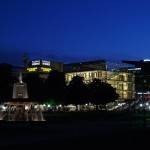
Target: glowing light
(35, 62)
(26, 107)
(32, 69)
(45, 69)
(45, 62)
(2, 107)
(135, 69)
(35, 106)
(141, 105)
(146, 59)
(144, 92)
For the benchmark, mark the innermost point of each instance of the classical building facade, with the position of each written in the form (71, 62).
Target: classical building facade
(121, 79)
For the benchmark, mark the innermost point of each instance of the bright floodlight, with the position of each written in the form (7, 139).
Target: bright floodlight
(141, 105)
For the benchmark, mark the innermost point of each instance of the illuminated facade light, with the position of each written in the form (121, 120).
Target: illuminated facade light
(36, 63)
(146, 60)
(145, 93)
(45, 63)
(135, 69)
(45, 69)
(32, 69)
(40, 62)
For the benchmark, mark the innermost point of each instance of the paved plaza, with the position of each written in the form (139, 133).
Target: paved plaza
(73, 135)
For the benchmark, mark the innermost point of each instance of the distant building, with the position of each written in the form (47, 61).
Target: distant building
(141, 71)
(121, 79)
(84, 66)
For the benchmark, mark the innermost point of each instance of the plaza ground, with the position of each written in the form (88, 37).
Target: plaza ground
(78, 132)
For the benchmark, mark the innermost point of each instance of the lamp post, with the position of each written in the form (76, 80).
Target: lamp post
(144, 112)
(144, 116)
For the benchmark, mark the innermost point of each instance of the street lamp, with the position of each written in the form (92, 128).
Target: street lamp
(144, 105)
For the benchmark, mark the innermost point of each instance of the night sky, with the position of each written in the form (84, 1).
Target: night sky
(74, 30)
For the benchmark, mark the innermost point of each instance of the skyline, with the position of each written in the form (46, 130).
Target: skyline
(74, 30)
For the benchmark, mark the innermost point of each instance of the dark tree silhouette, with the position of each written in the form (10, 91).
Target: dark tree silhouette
(56, 86)
(101, 92)
(77, 91)
(6, 81)
(35, 86)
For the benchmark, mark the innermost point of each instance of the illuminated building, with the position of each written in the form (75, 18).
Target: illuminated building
(43, 67)
(84, 66)
(121, 79)
(142, 77)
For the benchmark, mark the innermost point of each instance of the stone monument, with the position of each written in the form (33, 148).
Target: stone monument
(21, 109)
(20, 89)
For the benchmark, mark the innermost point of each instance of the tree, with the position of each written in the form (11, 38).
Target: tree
(35, 86)
(101, 92)
(6, 81)
(55, 86)
(77, 91)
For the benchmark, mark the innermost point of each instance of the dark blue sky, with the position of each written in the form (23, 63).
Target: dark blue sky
(74, 30)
